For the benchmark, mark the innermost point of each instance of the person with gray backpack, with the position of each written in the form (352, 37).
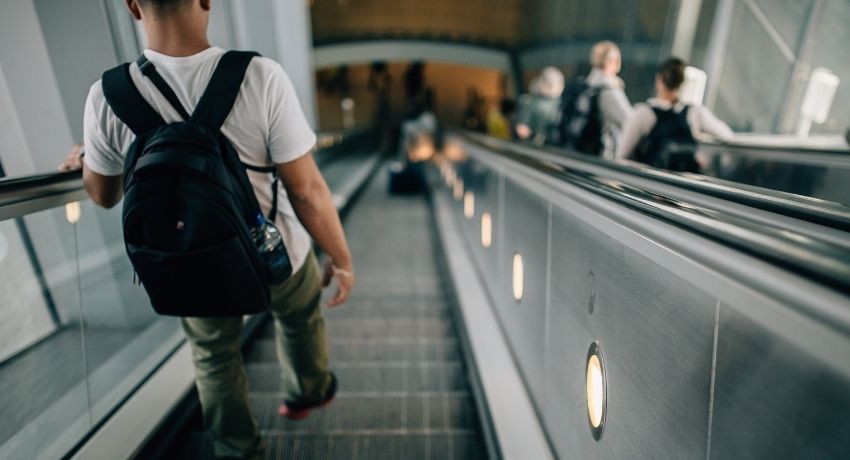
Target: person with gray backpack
(594, 107)
(211, 153)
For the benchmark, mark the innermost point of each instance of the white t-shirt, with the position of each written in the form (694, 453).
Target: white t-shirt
(265, 126)
(640, 124)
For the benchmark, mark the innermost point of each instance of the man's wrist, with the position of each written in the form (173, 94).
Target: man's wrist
(342, 263)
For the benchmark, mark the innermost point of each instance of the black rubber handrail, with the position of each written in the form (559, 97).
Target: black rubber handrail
(824, 262)
(814, 210)
(741, 145)
(35, 182)
(17, 190)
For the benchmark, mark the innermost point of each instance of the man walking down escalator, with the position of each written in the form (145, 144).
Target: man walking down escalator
(264, 125)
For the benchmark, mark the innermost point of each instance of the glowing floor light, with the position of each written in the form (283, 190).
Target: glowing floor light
(596, 391)
(73, 211)
(469, 205)
(518, 277)
(486, 230)
(458, 190)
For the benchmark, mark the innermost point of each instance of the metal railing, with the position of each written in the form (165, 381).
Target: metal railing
(821, 212)
(709, 322)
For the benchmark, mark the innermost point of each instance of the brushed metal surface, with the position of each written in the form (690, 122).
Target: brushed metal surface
(702, 360)
(773, 400)
(656, 333)
(525, 233)
(484, 183)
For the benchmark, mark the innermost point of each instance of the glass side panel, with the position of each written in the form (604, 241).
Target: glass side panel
(744, 106)
(788, 17)
(24, 307)
(124, 338)
(84, 334)
(42, 384)
(830, 44)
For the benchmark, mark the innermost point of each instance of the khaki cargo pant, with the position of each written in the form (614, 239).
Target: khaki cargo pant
(220, 375)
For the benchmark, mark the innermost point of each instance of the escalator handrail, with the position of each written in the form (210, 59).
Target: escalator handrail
(20, 196)
(742, 145)
(814, 210)
(24, 195)
(821, 261)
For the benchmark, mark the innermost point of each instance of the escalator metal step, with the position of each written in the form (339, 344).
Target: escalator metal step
(377, 376)
(403, 386)
(367, 328)
(373, 412)
(342, 351)
(400, 311)
(375, 446)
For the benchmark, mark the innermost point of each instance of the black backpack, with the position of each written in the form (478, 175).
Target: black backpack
(188, 205)
(670, 144)
(579, 127)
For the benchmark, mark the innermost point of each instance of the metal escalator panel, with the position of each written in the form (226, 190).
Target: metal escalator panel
(403, 389)
(713, 346)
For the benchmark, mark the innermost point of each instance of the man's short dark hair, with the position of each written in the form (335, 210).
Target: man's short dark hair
(672, 72)
(165, 6)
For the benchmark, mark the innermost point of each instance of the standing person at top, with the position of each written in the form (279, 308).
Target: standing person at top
(249, 107)
(538, 110)
(663, 131)
(500, 119)
(595, 107)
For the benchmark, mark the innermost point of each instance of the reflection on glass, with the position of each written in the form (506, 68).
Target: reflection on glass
(65, 268)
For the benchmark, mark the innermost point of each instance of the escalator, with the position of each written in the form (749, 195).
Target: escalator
(718, 316)
(404, 387)
(394, 347)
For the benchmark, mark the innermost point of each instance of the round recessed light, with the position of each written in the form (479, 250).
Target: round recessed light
(597, 391)
(518, 277)
(73, 211)
(486, 230)
(458, 191)
(469, 205)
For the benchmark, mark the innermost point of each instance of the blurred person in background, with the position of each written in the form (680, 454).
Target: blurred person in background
(473, 115)
(539, 110)
(663, 132)
(499, 119)
(594, 108)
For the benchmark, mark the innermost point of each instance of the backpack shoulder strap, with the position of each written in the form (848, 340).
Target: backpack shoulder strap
(127, 102)
(223, 88)
(149, 70)
(661, 114)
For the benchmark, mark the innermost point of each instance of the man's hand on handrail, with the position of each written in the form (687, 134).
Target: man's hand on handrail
(74, 160)
(105, 191)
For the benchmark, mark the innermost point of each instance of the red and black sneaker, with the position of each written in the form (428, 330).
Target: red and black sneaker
(300, 411)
